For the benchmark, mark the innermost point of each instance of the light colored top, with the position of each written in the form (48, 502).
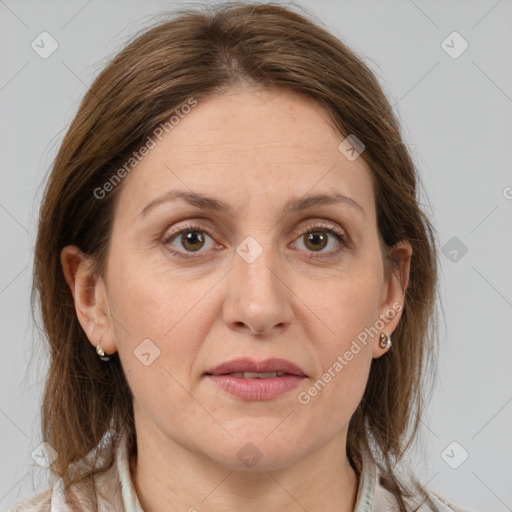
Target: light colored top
(117, 485)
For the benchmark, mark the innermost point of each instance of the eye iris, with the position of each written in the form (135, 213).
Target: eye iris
(191, 237)
(314, 236)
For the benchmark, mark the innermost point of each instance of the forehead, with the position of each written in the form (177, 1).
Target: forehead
(243, 143)
(263, 123)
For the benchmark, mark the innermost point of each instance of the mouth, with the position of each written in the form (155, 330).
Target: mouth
(251, 380)
(254, 375)
(251, 369)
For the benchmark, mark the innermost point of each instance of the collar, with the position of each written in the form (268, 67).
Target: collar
(130, 500)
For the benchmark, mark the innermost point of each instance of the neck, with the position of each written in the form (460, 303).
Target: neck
(167, 476)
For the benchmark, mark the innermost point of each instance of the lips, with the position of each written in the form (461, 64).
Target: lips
(250, 367)
(252, 380)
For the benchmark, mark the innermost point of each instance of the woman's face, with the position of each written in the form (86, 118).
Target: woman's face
(257, 272)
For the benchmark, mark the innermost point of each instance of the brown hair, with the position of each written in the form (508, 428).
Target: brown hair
(202, 52)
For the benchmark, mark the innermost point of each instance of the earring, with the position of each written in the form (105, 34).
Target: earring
(101, 352)
(385, 341)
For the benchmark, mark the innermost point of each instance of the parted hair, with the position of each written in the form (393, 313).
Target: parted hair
(199, 52)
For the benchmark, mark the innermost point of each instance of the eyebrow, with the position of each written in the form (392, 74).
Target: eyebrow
(216, 205)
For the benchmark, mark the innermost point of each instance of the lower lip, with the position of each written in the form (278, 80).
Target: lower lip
(256, 389)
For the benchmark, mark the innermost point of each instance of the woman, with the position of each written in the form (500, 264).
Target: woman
(236, 280)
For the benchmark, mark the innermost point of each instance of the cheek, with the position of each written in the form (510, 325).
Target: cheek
(173, 311)
(347, 306)
(150, 300)
(335, 394)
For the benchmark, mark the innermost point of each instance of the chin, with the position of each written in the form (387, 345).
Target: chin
(257, 452)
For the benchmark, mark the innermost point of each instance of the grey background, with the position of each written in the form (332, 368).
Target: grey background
(457, 119)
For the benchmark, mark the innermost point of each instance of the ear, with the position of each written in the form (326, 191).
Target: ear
(90, 297)
(393, 293)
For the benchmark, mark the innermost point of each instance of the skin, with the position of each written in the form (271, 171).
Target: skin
(255, 150)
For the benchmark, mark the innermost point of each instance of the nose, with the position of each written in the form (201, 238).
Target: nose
(258, 298)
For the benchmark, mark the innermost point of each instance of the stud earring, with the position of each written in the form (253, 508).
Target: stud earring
(385, 341)
(101, 352)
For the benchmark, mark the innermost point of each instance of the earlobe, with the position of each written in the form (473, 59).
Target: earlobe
(89, 296)
(381, 344)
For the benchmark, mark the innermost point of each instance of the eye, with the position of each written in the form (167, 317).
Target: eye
(317, 237)
(190, 239)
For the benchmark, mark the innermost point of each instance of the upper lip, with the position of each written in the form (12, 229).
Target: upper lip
(250, 365)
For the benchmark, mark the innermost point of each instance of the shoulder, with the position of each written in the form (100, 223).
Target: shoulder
(103, 489)
(37, 503)
(385, 501)
(443, 505)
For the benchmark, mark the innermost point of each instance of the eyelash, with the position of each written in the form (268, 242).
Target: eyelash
(331, 229)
